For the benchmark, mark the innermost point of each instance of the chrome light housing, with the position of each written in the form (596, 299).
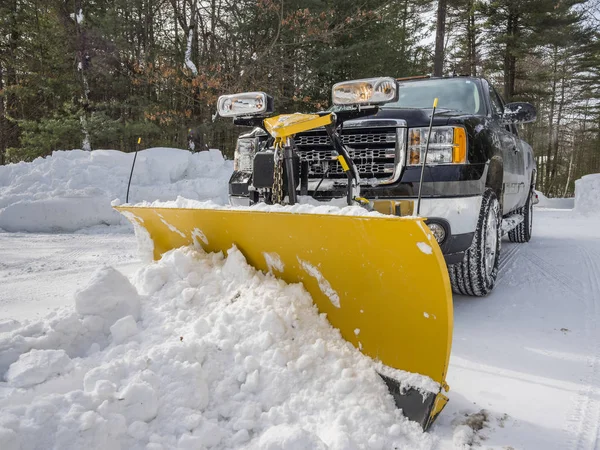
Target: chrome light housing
(438, 231)
(368, 91)
(245, 150)
(245, 104)
(448, 145)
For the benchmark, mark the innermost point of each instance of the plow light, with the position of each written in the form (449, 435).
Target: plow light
(369, 91)
(245, 104)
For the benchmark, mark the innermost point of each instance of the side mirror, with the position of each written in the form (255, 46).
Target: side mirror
(519, 112)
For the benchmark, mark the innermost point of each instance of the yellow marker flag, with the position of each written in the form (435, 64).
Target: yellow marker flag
(140, 139)
(435, 102)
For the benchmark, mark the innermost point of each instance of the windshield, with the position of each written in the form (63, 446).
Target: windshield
(459, 94)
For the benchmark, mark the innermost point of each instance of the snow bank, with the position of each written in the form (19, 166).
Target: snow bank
(71, 190)
(554, 203)
(587, 195)
(200, 352)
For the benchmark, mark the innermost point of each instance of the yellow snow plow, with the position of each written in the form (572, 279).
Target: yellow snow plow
(381, 280)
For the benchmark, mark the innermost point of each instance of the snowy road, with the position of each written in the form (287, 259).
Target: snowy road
(526, 358)
(40, 272)
(528, 353)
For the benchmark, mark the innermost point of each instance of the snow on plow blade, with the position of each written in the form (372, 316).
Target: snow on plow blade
(381, 280)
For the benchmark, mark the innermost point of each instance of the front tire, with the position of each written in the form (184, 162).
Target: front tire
(522, 232)
(476, 274)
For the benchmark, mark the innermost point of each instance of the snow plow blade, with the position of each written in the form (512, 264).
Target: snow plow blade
(382, 281)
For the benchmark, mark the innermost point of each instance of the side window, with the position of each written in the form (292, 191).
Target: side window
(498, 107)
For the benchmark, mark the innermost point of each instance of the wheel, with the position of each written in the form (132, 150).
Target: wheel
(476, 274)
(522, 232)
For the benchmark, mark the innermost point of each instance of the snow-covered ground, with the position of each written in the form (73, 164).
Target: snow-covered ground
(200, 351)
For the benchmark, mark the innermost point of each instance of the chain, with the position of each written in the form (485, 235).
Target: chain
(278, 174)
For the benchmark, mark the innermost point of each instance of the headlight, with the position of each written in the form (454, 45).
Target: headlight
(244, 104)
(369, 91)
(448, 145)
(245, 150)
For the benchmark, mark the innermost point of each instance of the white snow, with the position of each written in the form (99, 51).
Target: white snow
(245, 361)
(123, 328)
(554, 203)
(273, 261)
(108, 296)
(201, 351)
(587, 195)
(36, 366)
(188, 53)
(198, 235)
(71, 190)
(324, 285)
(425, 248)
(511, 222)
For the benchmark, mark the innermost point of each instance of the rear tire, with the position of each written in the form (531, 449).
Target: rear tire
(522, 232)
(476, 274)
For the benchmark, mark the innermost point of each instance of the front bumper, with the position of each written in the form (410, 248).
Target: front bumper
(458, 216)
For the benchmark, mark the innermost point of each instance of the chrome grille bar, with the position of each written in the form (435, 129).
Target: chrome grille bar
(377, 152)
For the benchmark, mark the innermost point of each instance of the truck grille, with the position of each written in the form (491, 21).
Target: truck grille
(372, 150)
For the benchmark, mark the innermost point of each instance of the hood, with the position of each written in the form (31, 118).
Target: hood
(411, 117)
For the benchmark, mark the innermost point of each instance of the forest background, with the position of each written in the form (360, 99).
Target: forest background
(100, 73)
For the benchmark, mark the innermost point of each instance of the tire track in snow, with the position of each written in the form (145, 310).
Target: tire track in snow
(506, 258)
(584, 423)
(555, 275)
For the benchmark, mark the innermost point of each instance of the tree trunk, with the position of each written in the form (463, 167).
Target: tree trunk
(551, 123)
(561, 104)
(3, 127)
(472, 40)
(83, 61)
(438, 59)
(510, 60)
(11, 136)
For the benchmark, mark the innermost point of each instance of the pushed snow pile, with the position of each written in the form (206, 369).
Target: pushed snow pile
(587, 195)
(554, 203)
(202, 352)
(71, 190)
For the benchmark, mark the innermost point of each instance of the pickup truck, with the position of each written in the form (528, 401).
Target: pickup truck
(478, 177)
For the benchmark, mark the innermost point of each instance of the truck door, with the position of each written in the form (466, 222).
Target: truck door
(511, 154)
(523, 179)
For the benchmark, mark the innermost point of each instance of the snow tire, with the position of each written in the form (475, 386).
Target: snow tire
(522, 232)
(476, 274)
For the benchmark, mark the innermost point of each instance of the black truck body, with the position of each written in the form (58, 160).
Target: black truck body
(497, 159)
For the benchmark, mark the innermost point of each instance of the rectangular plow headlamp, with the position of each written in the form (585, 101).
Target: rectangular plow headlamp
(448, 145)
(245, 104)
(368, 91)
(245, 150)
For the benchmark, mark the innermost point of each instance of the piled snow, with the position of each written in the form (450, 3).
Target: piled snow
(331, 208)
(587, 195)
(36, 366)
(200, 352)
(71, 190)
(554, 203)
